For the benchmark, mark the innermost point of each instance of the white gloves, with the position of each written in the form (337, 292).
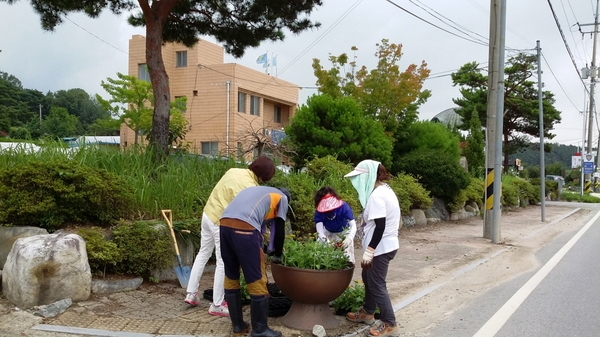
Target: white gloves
(348, 242)
(321, 232)
(367, 258)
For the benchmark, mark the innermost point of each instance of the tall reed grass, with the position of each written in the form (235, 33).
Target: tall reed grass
(181, 183)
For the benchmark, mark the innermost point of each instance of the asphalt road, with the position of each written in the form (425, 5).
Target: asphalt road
(560, 298)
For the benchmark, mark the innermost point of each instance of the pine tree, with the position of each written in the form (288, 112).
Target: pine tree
(474, 151)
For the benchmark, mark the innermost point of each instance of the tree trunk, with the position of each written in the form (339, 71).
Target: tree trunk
(155, 19)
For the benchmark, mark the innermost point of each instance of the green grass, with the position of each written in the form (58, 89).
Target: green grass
(179, 183)
(569, 196)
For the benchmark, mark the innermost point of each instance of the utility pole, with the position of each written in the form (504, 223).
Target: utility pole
(495, 121)
(40, 115)
(591, 110)
(541, 113)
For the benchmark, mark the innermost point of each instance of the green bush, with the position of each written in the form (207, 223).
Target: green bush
(438, 172)
(101, 252)
(56, 193)
(322, 168)
(19, 133)
(411, 194)
(474, 192)
(568, 196)
(510, 195)
(146, 246)
(528, 194)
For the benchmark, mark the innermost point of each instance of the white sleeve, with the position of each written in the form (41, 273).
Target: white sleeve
(352, 231)
(321, 231)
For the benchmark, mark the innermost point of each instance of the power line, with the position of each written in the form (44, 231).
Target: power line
(436, 26)
(565, 43)
(454, 25)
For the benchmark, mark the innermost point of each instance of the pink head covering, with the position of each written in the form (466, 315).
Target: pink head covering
(328, 203)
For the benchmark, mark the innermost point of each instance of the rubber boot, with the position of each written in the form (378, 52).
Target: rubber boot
(259, 313)
(234, 303)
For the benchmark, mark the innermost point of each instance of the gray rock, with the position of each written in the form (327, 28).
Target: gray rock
(43, 269)
(408, 221)
(419, 216)
(432, 220)
(469, 208)
(53, 309)
(8, 236)
(438, 210)
(115, 286)
(474, 205)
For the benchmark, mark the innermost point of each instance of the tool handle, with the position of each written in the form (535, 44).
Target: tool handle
(169, 221)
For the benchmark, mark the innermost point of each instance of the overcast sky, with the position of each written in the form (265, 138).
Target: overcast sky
(82, 51)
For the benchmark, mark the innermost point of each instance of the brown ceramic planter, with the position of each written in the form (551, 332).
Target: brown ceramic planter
(311, 291)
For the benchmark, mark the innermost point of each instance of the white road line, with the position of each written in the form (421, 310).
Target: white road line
(495, 323)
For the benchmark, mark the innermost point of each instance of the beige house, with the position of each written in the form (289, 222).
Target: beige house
(229, 106)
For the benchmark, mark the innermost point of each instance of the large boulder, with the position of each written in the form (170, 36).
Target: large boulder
(419, 216)
(43, 269)
(438, 210)
(8, 236)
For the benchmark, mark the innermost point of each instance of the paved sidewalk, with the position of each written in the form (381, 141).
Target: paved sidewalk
(430, 256)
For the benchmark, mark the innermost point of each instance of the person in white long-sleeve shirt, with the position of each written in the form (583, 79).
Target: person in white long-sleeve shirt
(334, 220)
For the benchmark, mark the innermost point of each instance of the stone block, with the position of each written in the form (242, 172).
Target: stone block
(43, 269)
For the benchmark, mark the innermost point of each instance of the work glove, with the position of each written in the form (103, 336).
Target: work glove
(367, 258)
(276, 259)
(348, 242)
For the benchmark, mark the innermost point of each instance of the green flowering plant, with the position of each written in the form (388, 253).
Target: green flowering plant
(311, 253)
(351, 299)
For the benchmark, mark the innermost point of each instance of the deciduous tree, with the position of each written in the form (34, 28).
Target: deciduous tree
(237, 24)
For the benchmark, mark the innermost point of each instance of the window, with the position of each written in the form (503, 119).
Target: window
(143, 73)
(242, 102)
(210, 148)
(182, 59)
(277, 115)
(255, 105)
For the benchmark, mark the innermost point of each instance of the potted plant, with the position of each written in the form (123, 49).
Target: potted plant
(312, 274)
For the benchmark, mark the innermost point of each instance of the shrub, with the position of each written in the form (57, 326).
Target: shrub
(510, 195)
(568, 196)
(438, 172)
(55, 193)
(351, 299)
(411, 194)
(145, 246)
(474, 192)
(101, 252)
(19, 133)
(322, 168)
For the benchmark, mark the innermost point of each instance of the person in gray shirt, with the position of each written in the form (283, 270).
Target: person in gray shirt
(242, 225)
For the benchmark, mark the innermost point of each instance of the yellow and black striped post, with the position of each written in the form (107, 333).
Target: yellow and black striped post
(489, 189)
(596, 184)
(588, 186)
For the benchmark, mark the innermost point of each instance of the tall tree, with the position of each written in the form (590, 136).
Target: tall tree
(131, 101)
(474, 150)
(237, 24)
(336, 126)
(386, 93)
(59, 123)
(79, 103)
(521, 108)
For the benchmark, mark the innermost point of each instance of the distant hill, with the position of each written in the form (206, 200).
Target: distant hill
(559, 153)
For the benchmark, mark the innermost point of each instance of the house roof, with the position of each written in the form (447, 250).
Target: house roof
(449, 117)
